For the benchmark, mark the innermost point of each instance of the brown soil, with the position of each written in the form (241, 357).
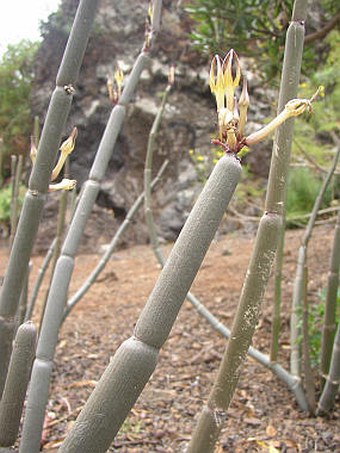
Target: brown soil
(263, 415)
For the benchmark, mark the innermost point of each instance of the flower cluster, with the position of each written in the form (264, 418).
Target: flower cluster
(66, 148)
(225, 76)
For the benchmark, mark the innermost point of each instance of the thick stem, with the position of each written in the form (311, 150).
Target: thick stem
(156, 319)
(19, 372)
(58, 242)
(113, 244)
(214, 414)
(292, 382)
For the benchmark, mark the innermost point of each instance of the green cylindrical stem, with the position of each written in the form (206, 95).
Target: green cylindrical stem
(331, 387)
(113, 244)
(292, 382)
(22, 308)
(213, 416)
(133, 79)
(20, 255)
(15, 196)
(58, 242)
(329, 322)
(39, 280)
(307, 368)
(36, 403)
(147, 178)
(7, 331)
(112, 399)
(107, 143)
(283, 137)
(302, 259)
(160, 312)
(82, 213)
(279, 169)
(54, 309)
(157, 318)
(40, 380)
(19, 372)
(15, 277)
(295, 325)
(77, 43)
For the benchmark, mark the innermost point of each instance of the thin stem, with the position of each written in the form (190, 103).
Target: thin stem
(329, 322)
(58, 242)
(302, 257)
(147, 178)
(39, 279)
(17, 170)
(307, 369)
(112, 246)
(331, 387)
(13, 399)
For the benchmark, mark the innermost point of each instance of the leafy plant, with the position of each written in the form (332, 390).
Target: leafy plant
(315, 320)
(16, 75)
(256, 28)
(252, 26)
(5, 202)
(303, 188)
(314, 131)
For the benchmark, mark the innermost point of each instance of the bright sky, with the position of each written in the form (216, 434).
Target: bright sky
(20, 19)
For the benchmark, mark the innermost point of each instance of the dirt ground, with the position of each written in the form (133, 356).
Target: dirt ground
(263, 415)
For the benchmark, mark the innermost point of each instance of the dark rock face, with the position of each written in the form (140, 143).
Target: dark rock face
(188, 123)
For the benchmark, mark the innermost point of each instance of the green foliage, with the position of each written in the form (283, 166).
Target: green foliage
(255, 28)
(16, 75)
(326, 114)
(303, 188)
(5, 202)
(315, 321)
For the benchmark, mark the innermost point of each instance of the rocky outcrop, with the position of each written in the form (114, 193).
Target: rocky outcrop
(188, 123)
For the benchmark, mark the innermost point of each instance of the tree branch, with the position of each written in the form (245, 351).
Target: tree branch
(320, 34)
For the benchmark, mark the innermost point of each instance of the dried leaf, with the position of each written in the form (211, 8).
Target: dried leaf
(271, 431)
